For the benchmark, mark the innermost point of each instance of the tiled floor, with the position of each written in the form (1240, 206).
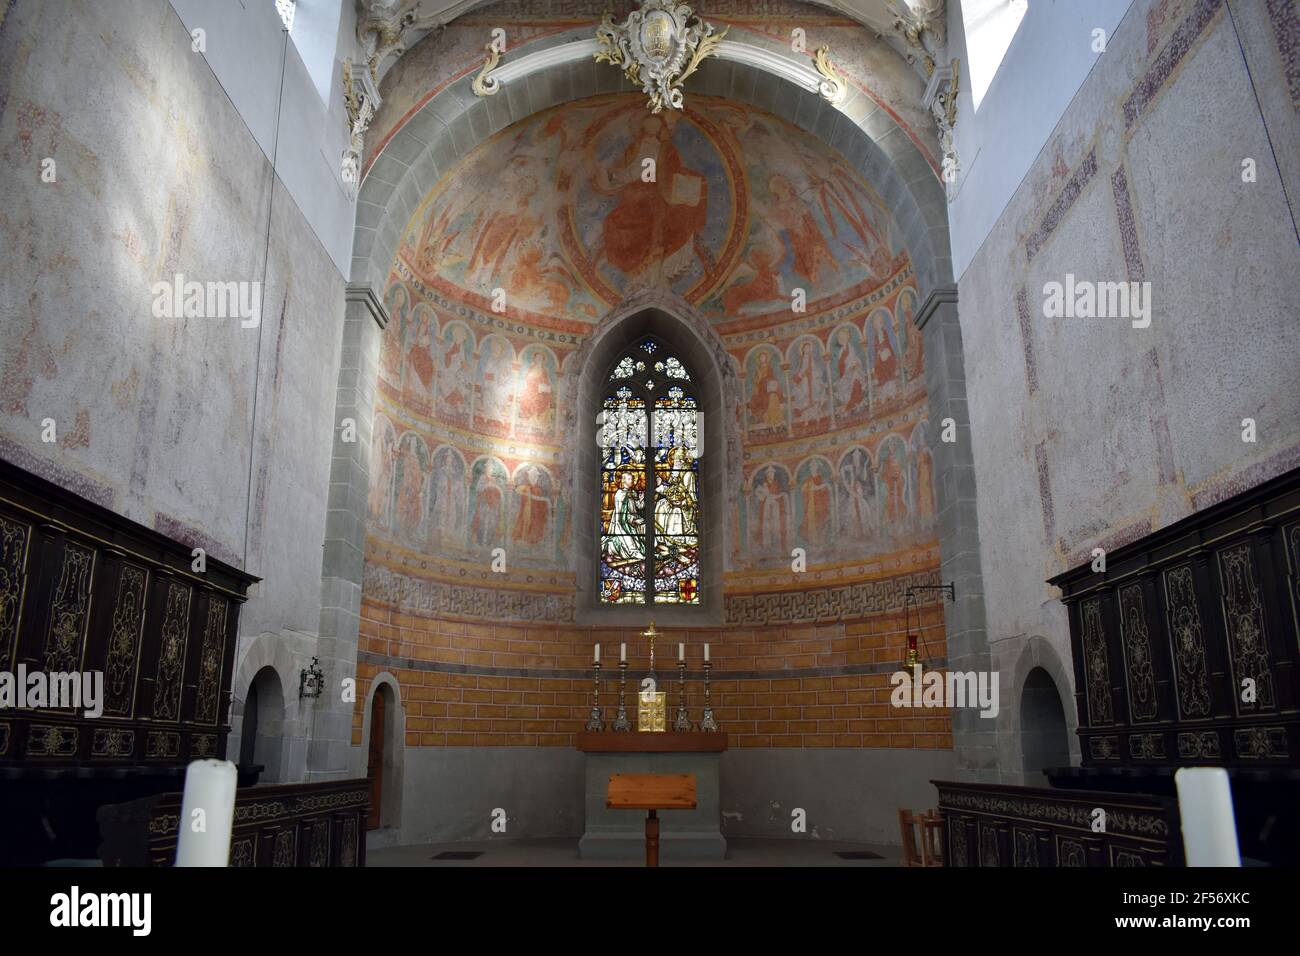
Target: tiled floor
(564, 852)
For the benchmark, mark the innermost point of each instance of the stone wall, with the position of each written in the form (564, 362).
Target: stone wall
(1091, 432)
(215, 431)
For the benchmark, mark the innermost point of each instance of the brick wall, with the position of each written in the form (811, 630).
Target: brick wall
(780, 686)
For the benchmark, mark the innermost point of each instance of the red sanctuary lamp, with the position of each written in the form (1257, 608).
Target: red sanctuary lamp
(913, 657)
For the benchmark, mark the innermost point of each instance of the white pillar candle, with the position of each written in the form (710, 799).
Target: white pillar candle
(207, 814)
(597, 653)
(681, 651)
(622, 653)
(1205, 810)
(706, 653)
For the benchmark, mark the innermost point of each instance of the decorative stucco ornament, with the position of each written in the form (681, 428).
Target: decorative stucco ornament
(941, 100)
(832, 86)
(921, 25)
(658, 47)
(361, 99)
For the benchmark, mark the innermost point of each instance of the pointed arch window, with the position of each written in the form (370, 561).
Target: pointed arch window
(648, 428)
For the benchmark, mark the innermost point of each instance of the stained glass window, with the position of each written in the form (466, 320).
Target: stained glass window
(650, 511)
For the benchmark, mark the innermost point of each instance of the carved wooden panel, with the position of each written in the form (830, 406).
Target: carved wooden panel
(1243, 619)
(1138, 663)
(1096, 664)
(1187, 641)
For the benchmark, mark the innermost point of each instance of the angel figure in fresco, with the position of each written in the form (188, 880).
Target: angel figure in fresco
(789, 216)
(652, 222)
(504, 229)
(836, 190)
(764, 286)
(773, 507)
(850, 377)
(534, 512)
(624, 539)
(536, 395)
(807, 387)
(766, 403)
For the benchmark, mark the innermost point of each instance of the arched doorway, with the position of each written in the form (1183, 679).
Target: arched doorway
(1044, 739)
(261, 739)
(377, 757)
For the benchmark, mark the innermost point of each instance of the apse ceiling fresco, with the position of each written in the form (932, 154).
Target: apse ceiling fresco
(740, 211)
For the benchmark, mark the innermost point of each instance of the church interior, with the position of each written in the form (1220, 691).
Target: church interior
(496, 433)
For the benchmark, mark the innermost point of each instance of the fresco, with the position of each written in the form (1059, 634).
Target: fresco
(472, 445)
(726, 206)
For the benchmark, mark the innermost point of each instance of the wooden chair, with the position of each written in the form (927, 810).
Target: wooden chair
(907, 824)
(931, 822)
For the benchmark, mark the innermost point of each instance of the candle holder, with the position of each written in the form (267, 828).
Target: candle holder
(621, 722)
(682, 724)
(708, 724)
(594, 722)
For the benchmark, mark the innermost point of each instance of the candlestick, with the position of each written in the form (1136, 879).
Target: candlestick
(209, 795)
(681, 651)
(1205, 811)
(621, 722)
(682, 724)
(622, 653)
(707, 723)
(595, 722)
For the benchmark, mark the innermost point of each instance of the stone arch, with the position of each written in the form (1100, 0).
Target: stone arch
(1037, 665)
(551, 71)
(390, 813)
(681, 329)
(267, 660)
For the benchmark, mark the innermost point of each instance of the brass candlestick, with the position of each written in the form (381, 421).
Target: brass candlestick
(621, 722)
(594, 722)
(708, 723)
(682, 724)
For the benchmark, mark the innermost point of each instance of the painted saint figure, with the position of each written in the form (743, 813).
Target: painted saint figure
(534, 509)
(624, 539)
(815, 495)
(766, 404)
(850, 377)
(773, 507)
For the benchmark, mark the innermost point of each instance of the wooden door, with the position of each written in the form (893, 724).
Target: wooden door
(375, 763)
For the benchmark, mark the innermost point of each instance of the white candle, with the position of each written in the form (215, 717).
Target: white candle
(1205, 809)
(681, 651)
(622, 653)
(706, 653)
(209, 796)
(597, 653)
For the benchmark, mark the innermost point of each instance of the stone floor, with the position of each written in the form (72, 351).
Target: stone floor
(564, 852)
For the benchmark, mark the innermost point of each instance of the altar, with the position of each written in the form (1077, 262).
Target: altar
(684, 834)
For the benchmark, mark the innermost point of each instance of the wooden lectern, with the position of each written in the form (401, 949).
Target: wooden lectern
(651, 792)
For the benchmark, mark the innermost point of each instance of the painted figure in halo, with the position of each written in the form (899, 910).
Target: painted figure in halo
(772, 510)
(488, 524)
(534, 514)
(536, 394)
(675, 504)
(815, 496)
(893, 475)
(923, 474)
(808, 386)
(850, 376)
(455, 374)
(383, 460)
(448, 504)
(857, 496)
(419, 357)
(495, 382)
(909, 336)
(398, 300)
(411, 476)
(766, 403)
(884, 351)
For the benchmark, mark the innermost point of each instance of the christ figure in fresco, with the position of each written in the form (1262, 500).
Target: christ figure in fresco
(653, 222)
(534, 510)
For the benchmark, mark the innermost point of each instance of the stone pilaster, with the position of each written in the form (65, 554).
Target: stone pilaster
(329, 720)
(974, 737)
